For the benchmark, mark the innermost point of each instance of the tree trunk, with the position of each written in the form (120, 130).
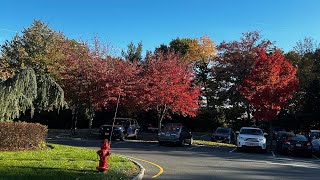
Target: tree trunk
(206, 95)
(159, 125)
(270, 136)
(248, 112)
(161, 115)
(74, 121)
(90, 123)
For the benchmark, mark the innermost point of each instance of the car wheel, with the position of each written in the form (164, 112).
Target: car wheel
(121, 137)
(213, 140)
(309, 155)
(136, 134)
(264, 151)
(191, 141)
(239, 149)
(182, 142)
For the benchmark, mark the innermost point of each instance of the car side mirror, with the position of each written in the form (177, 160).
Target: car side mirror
(265, 134)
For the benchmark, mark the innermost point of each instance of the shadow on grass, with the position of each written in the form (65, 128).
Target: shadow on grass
(19, 172)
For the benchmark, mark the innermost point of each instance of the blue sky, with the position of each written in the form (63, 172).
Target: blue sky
(155, 22)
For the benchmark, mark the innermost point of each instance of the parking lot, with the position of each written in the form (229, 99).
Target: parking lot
(207, 162)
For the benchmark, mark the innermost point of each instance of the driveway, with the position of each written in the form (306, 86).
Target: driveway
(204, 162)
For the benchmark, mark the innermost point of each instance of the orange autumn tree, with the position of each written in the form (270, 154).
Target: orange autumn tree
(269, 85)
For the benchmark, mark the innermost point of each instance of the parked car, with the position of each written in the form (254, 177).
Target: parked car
(314, 137)
(152, 128)
(314, 134)
(276, 131)
(123, 128)
(290, 143)
(175, 133)
(221, 134)
(251, 138)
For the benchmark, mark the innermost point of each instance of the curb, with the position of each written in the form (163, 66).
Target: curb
(142, 169)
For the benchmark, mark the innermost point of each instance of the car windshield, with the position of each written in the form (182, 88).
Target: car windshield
(298, 138)
(172, 128)
(251, 131)
(121, 122)
(223, 130)
(118, 122)
(315, 135)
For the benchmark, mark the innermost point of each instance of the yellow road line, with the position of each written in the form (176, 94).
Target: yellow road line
(158, 166)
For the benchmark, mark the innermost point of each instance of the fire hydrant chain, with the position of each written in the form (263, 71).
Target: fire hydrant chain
(103, 153)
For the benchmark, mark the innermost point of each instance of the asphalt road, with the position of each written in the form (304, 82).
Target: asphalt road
(203, 162)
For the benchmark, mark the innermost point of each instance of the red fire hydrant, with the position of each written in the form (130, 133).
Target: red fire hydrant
(103, 154)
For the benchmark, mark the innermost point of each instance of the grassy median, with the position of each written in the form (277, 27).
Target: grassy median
(62, 162)
(210, 143)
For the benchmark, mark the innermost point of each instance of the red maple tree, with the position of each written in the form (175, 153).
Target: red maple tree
(118, 78)
(169, 86)
(270, 84)
(93, 82)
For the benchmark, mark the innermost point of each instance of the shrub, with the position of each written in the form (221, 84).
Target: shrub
(22, 136)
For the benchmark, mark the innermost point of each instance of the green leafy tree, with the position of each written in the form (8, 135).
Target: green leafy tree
(303, 107)
(29, 67)
(235, 60)
(133, 53)
(29, 91)
(39, 47)
(200, 52)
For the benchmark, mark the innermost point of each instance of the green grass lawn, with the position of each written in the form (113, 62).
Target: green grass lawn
(62, 162)
(210, 143)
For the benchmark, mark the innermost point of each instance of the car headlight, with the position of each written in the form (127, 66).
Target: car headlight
(262, 139)
(159, 134)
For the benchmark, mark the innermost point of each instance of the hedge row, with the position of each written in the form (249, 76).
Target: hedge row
(22, 136)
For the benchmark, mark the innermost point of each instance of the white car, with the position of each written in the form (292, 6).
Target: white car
(250, 137)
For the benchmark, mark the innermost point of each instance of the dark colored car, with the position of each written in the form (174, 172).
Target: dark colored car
(123, 128)
(175, 133)
(223, 135)
(314, 138)
(290, 143)
(276, 131)
(314, 134)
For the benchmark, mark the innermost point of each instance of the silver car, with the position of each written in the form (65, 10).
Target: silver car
(175, 133)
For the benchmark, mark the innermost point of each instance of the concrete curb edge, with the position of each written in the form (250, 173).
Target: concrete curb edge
(142, 169)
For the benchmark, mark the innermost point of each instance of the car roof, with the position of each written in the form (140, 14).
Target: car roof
(314, 130)
(223, 128)
(250, 128)
(173, 124)
(288, 133)
(298, 135)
